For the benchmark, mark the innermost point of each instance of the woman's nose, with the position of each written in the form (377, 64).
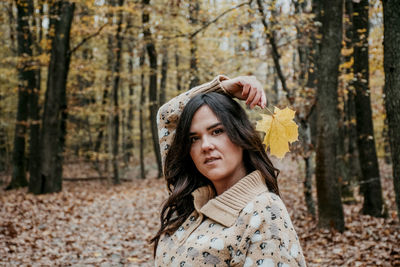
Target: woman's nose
(207, 144)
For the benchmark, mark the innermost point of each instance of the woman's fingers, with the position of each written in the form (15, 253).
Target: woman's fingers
(263, 101)
(246, 90)
(259, 99)
(250, 97)
(256, 99)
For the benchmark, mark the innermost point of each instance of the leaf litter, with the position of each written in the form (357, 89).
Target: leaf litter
(96, 224)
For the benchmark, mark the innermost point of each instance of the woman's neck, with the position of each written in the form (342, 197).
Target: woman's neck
(222, 186)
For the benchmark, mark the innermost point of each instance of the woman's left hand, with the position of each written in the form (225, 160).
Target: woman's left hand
(246, 88)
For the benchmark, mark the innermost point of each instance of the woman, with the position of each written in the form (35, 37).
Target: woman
(224, 207)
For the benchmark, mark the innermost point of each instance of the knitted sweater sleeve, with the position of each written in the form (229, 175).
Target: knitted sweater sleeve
(168, 115)
(270, 239)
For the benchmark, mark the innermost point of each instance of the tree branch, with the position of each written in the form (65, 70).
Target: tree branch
(87, 39)
(275, 53)
(208, 23)
(217, 18)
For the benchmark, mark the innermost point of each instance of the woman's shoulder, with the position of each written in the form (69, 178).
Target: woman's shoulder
(263, 200)
(265, 209)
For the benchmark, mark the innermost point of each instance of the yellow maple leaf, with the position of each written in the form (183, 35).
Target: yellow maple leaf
(280, 130)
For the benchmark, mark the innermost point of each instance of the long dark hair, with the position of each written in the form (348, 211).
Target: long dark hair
(182, 175)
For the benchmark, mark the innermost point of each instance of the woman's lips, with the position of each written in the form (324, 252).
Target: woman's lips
(211, 160)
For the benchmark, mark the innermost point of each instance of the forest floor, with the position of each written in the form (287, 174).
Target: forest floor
(93, 223)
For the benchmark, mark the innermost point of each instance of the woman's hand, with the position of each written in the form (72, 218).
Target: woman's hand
(246, 88)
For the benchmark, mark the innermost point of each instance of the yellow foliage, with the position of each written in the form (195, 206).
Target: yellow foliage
(347, 51)
(280, 130)
(347, 64)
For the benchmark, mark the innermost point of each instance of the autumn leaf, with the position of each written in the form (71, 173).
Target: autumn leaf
(280, 130)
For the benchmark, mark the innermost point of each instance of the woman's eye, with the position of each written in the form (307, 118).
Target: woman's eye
(218, 131)
(193, 139)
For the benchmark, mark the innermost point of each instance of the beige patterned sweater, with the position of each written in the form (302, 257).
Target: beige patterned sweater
(245, 226)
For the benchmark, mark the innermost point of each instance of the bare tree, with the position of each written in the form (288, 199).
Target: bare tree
(370, 184)
(115, 117)
(52, 137)
(128, 141)
(164, 75)
(391, 21)
(152, 53)
(330, 210)
(141, 108)
(34, 108)
(26, 83)
(194, 9)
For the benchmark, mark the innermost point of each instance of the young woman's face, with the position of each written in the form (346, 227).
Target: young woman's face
(213, 153)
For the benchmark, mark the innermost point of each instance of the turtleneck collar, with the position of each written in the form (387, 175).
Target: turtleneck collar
(226, 207)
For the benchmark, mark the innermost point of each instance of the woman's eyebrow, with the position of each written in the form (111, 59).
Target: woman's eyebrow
(208, 128)
(214, 125)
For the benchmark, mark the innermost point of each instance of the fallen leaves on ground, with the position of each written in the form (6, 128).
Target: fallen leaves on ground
(97, 224)
(90, 223)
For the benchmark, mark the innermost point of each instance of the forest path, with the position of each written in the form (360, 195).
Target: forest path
(89, 223)
(96, 224)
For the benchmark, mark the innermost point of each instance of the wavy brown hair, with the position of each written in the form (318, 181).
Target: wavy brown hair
(182, 175)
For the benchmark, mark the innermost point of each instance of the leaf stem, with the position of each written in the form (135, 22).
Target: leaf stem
(269, 110)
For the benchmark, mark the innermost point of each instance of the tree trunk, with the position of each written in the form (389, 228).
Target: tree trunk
(34, 109)
(13, 33)
(370, 184)
(345, 160)
(194, 8)
(26, 83)
(391, 20)
(305, 137)
(343, 171)
(151, 51)
(178, 72)
(141, 107)
(80, 97)
(3, 147)
(314, 53)
(106, 102)
(164, 73)
(386, 138)
(302, 48)
(353, 161)
(271, 74)
(128, 144)
(115, 95)
(52, 138)
(304, 129)
(100, 135)
(330, 210)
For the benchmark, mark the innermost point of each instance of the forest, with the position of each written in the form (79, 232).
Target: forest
(81, 81)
